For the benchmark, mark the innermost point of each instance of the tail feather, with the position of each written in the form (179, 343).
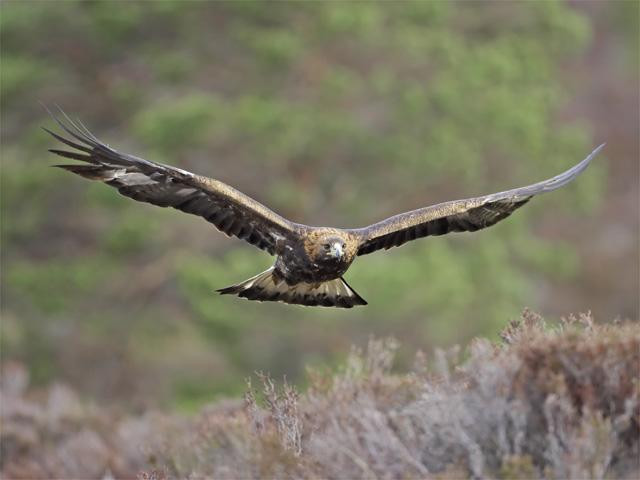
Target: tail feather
(268, 286)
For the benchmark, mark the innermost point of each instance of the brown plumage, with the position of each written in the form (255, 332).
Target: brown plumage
(310, 260)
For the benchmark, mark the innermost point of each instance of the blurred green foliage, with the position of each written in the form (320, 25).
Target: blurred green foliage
(336, 113)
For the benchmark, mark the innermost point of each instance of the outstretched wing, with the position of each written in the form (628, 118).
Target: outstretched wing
(466, 215)
(231, 211)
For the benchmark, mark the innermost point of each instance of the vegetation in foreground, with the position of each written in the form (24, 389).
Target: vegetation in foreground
(558, 401)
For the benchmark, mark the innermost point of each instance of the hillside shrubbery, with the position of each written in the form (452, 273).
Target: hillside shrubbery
(548, 401)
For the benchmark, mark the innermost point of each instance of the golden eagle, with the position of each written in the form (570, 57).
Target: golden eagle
(310, 261)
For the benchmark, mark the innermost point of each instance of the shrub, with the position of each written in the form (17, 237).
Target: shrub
(547, 401)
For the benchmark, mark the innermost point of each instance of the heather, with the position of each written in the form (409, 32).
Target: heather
(555, 400)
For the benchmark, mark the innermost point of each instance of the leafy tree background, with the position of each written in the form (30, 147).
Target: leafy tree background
(332, 114)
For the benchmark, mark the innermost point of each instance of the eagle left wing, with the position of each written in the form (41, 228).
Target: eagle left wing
(459, 215)
(230, 210)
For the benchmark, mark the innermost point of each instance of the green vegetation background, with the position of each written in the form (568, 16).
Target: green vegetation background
(332, 114)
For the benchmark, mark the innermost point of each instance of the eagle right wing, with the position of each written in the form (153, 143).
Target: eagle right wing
(231, 211)
(459, 215)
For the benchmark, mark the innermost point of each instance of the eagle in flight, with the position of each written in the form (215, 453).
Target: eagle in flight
(310, 261)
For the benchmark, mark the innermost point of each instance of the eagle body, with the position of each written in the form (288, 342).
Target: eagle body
(310, 261)
(307, 271)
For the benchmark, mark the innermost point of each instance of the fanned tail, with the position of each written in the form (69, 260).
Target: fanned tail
(268, 286)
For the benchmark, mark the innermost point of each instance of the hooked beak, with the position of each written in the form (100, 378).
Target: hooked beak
(336, 250)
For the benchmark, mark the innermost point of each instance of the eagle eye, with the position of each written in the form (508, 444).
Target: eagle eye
(326, 246)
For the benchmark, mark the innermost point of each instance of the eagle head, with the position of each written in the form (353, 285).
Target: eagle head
(328, 248)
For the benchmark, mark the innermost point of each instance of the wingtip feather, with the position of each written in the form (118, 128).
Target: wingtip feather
(73, 155)
(598, 148)
(91, 172)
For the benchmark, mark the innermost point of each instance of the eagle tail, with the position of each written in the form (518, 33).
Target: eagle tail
(268, 286)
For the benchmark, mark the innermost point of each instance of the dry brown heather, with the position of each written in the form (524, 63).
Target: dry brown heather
(547, 402)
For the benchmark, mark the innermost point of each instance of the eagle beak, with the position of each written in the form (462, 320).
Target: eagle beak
(336, 250)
